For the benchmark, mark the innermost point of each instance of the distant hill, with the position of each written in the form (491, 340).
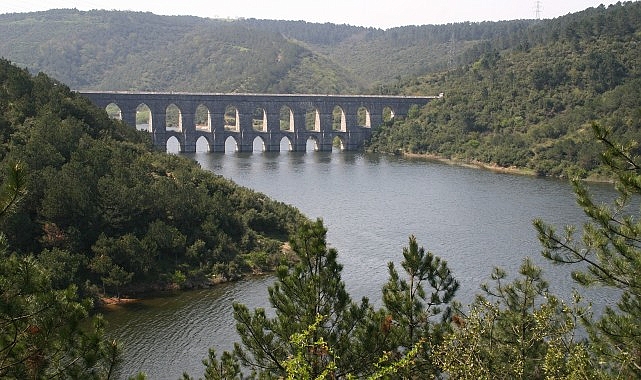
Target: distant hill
(114, 50)
(382, 58)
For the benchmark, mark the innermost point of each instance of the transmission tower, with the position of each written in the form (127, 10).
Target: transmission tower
(451, 52)
(538, 7)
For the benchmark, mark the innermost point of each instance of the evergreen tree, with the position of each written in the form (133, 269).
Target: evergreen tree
(318, 332)
(412, 310)
(345, 339)
(516, 330)
(44, 331)
(609, 252)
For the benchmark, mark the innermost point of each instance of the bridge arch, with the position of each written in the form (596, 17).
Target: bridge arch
(259, 120)
(231, 119)
(285, 144)
(260, 142)
(312, 143)
(113, 111)
(232, 140)
(312, 119)
(339, 121)
(202, 118)
(286, 119)
(387, 115)
(203, 144)
(173, 145)
(144, 118)
(173, 118)
(339, 142)
(363, 117)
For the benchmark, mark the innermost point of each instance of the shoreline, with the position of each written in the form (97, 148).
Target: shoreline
(113, 303)
(143, 291)
(471, 164)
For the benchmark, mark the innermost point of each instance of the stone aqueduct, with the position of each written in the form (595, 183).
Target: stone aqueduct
(270, 131)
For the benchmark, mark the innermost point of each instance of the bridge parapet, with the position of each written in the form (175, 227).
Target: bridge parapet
(310, 117)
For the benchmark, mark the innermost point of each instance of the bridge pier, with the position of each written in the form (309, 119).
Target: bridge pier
(299, 144)
(376, 120)
(159, 138)
(218, 144)
(325, 143)
(188, 129)
(326, 137)
(128, 116)
(272, 143)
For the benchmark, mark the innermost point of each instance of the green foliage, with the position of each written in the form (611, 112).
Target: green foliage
(103, 208)
(45, 332)
(411, 309)
(227, 368)
(86, 50)
(297, 366)
(517, 330)
(312, 287)
(13, 189)
(408, 51)
(318, 332)
(609, 250)
(531, 108)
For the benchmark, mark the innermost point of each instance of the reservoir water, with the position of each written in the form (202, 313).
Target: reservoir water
(371, 204)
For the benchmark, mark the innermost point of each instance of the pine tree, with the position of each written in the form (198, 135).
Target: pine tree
(44, 332)
(516, 330)
(609, 254)
(312, 289)
(413, 313)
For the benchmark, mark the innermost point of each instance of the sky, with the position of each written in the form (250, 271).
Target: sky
(371, 13)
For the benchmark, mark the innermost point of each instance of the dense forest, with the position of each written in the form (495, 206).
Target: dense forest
(102, 204)
(110, 50)
(531, 105)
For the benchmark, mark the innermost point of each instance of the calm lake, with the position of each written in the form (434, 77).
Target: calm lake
(371, 204)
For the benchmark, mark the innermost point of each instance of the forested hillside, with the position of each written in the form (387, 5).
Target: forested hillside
(88, 210)
(105, 212)
(141, 51)
(382, 58)
(112, 50)
(532, 105)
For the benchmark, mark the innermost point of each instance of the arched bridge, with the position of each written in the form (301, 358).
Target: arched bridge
(188, 117)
